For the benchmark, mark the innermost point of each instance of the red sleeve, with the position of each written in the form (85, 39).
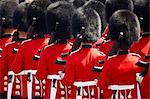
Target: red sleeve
(42, 67)
(4, 65)
(69, 73)
(146, 49)
(137, 69)
(105, 76)
(17, 64)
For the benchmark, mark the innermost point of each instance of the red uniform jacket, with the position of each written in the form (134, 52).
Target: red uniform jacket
(119, 70)
(47, 65)
(3, 41)
(24, 59)
(9, 54)
(106, 46)
(79, 67)
(142, 47)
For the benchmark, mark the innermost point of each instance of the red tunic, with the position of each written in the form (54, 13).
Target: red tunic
(24, 61)
(106, 46)
(47, 66)
(79, 69)
(142, 47)
(3, 41)
(120, 70)
(145, 86)
(8, 56)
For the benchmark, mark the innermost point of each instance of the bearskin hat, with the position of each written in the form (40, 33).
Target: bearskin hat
(87, 23)
(103, 1)
(142, 10)
(36, 17)
(20, 17)
(79, 3)
(113, 5)
(124, 27)
(59, 16)
(6, 13)
(100, 8)
(7, 9)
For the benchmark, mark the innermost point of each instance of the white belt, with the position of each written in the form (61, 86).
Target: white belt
(53, 87)
(57, 77)
(83, 84)
(25, 72)
(120, 87)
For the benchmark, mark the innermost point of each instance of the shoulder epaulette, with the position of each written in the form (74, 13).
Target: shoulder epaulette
(109, 57)
(75, 51)
(48, 46)
(26, 41)
(134, 54)
(9, 43)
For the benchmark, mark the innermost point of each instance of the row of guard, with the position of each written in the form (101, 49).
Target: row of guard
(58, 51)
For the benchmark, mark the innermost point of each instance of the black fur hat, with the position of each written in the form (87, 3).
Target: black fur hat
(103, 1)
(21, 1)
(20, 17)
(79, 3)
(6, 13)
(100, 8)
(7, 9)
(113, 5)
(87, 23)
(124, 27)
(36, 18)
(142, 10)
(59, 16)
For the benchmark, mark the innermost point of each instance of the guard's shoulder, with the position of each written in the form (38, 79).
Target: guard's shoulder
(46, 47)
(25, 41)
(111, 57)
(75, 51)
(7, 44)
